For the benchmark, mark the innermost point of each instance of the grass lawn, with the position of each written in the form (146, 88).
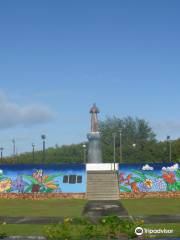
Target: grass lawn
(74, 208)
(23, 229)
(41, 208)
(152, 206)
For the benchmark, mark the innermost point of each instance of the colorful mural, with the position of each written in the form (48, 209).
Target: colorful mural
(149, 178)
(42, 178)
(71, 178)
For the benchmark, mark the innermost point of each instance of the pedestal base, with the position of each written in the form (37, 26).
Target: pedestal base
(94, 148)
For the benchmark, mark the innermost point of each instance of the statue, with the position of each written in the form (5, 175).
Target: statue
(94, 146)
(94, 120)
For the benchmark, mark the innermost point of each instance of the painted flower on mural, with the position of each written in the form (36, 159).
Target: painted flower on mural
(148, 183)
(169, 177)
(143, 187)
(134, 187)
(38, 182)
(38, 175)
(5, 185)
(19, 184)
(44, 179)
(121, 177)
(160, 185)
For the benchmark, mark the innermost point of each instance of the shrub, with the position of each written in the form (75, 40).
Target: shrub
(110, 227)
(115, 227)
(61, 231)
(2, 233)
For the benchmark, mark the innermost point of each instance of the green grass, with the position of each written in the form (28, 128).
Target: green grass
(23, 229)
(41, 208)
(152, 206)
(74, 208)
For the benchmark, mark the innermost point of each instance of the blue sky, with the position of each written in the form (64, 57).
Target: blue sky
(59, 57)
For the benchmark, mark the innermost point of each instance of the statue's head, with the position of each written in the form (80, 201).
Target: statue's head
(94, 109)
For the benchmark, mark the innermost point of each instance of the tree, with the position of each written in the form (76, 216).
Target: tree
(134, 131)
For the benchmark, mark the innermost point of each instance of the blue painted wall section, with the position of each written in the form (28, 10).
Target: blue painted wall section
(66, 178)
(149, 177)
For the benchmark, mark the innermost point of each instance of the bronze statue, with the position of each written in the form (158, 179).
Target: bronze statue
(94, 120)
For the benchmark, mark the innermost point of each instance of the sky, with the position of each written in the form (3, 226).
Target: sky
(59, 57)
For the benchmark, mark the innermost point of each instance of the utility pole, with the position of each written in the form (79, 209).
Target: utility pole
(114, 147)
(170, 148)
(84, 147)
(43, 137)
(33, 146)
(120, 145)
(1, 149)
(14, 147)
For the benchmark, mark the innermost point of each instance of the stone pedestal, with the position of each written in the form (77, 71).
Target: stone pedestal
(94, 148)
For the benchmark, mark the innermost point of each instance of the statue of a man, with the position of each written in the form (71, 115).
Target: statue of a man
(94, 120)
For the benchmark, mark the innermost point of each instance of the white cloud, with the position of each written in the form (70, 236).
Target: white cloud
(12, 114)
(147, 168)
(173, 168)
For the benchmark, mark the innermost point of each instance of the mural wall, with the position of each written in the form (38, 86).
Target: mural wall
(149, 178)
(66, 178)
(71, 178)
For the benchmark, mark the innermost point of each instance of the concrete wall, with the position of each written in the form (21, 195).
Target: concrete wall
(71, 178)
(60, 178)
(147, 178)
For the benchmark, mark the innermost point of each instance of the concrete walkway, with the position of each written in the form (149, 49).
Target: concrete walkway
(94, 210)
(93, 216)
(97, 209)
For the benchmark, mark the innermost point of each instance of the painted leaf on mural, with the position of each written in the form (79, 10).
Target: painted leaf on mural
(28, 189)
(30, 178)
(153, 175)
(125, 189)
(51, 177)
(177, 186)
(136, 179)
(178, 173)
(142, 175)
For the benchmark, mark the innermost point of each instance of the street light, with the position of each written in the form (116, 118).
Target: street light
(1, 149)
(114, 147)
(170, 148)
(84, 147)
(43, 137)
(33, 146)
(120, 145)
(134, 145)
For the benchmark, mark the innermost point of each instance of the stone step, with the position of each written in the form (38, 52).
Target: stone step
(102, 185)
(102, 172)
(103, 198)
(114, 183)
(103, 179)
(104, 193)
